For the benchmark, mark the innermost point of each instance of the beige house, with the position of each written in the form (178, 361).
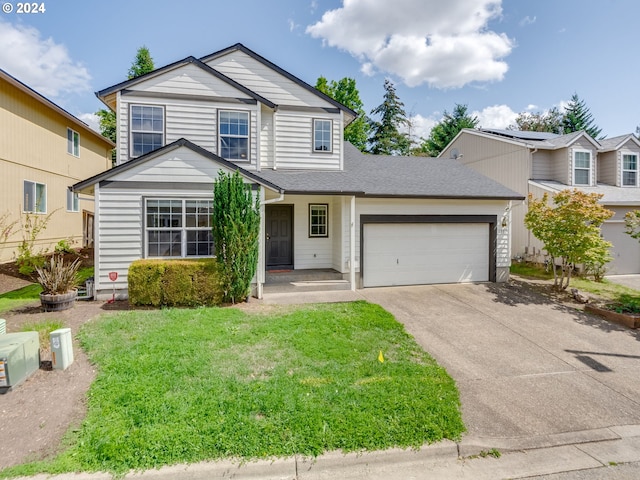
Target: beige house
(539, 162)
(44, 150)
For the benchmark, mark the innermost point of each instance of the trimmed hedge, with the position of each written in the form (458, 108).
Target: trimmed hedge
(174, 283)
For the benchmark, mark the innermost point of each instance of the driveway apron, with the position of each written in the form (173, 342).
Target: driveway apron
(525, 367)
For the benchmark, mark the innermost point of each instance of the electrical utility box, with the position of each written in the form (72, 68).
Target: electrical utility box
(61, 348)
(19, 358)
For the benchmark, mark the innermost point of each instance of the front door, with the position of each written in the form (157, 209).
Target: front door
(279, 236)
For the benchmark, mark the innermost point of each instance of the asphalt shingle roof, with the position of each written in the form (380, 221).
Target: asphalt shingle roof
(390, 176)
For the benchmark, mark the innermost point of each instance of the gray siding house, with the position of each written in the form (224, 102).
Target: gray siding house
(324, 205)
(539, 162)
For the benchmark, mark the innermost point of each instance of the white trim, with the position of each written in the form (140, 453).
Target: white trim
(71, 143)
(573, 167)
(248, 136)
(313, 135)
(34, 193)
(73, 199)
(622, 169)
(132, 131)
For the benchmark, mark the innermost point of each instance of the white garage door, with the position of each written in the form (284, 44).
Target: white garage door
(424, 253)
(625, 251)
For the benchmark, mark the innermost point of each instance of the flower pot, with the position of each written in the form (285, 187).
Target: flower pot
(56, 302)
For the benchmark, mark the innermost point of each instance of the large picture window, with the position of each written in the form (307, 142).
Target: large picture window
(234, 135)
(179, 228)
(322, 133)
(582, 167)
(34, 196)
(629, 170)
(147, 129)
(318, 220)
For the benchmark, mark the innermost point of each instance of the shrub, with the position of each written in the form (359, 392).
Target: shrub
(174, 283)
(64, 246)
(58, 277)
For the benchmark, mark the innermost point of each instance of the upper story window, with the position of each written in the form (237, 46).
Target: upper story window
(34, 196)
(147, 129)
(629, 169)
(73, 201)
(234, 135)
(73, 142)
(322, 130)
(582, 167)
(178, 228)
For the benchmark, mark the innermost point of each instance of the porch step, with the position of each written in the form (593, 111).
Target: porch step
(288, 276)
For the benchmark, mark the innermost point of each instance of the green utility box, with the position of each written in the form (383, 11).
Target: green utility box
(19, 358)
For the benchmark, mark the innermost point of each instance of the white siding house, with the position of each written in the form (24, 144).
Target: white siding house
(324, 204)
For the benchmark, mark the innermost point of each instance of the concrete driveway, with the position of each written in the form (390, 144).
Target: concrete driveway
(530, 373)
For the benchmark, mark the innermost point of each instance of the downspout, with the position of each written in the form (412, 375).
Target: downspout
(261, 256)
(528, 192)
(352, 244)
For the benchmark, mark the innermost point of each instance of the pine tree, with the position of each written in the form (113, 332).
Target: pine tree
(143, 63)
(386, 138)
(578, 117)
(235, 230)
(445, 131)
(345, 92)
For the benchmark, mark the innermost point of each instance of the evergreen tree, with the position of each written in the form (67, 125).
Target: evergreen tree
(386, 138)
(578, 117)
(445, 131)
(345, 92)
(236, 228)
(143, 63)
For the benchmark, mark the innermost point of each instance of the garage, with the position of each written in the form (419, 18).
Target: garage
(427, 252)
(625, 252)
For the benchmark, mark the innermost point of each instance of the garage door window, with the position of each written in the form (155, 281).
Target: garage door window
(318, 221)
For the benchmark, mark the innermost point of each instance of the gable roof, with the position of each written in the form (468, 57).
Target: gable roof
(240, 47)
(614, 143)
(102, 94)
(49, 104)
(183, 142)
(388, 176)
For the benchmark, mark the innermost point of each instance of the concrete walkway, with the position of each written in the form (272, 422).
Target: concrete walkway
(550, 388)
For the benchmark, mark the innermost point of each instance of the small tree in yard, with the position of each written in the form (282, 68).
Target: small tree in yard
(236, 228)
(570, 231)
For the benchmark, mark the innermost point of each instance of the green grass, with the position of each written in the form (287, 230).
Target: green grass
(30, 293)
(605, 289)
(181, 385)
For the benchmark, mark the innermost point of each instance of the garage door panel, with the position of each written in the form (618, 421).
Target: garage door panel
(625, 252)
(413, 254)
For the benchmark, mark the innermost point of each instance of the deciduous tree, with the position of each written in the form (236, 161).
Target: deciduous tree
(346, 92)
(550, 121)
(386, 138)
(569, 230)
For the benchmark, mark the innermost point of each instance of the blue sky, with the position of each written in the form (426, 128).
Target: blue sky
(498, 57)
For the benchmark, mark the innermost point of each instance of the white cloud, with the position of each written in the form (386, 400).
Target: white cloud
(445, 45)
(41, 63)
(420, 127)
(496, 116)
(91, 119)
(531, 107)
(528, 20)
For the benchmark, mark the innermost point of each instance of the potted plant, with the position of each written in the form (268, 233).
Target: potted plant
(58, 281)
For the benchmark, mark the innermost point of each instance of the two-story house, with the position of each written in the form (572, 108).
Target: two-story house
(539, 162)
(43, 150)
(324, 205)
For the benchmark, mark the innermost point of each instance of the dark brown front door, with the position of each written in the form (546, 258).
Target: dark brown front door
(279, 241)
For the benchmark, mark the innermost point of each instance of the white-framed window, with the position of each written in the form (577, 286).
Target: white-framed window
(629, 169)
(34, 197)
(178, 228)
(73, 201)
(582, 167)
(147, 129)
(318, 220)
(73, 142)
(322, 134)
(233, 135)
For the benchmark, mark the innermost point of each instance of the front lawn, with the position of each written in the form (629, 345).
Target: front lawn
(180, 385)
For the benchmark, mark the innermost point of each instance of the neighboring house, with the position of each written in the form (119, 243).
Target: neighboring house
(43, 151)
(324, 205)
(538, 162)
